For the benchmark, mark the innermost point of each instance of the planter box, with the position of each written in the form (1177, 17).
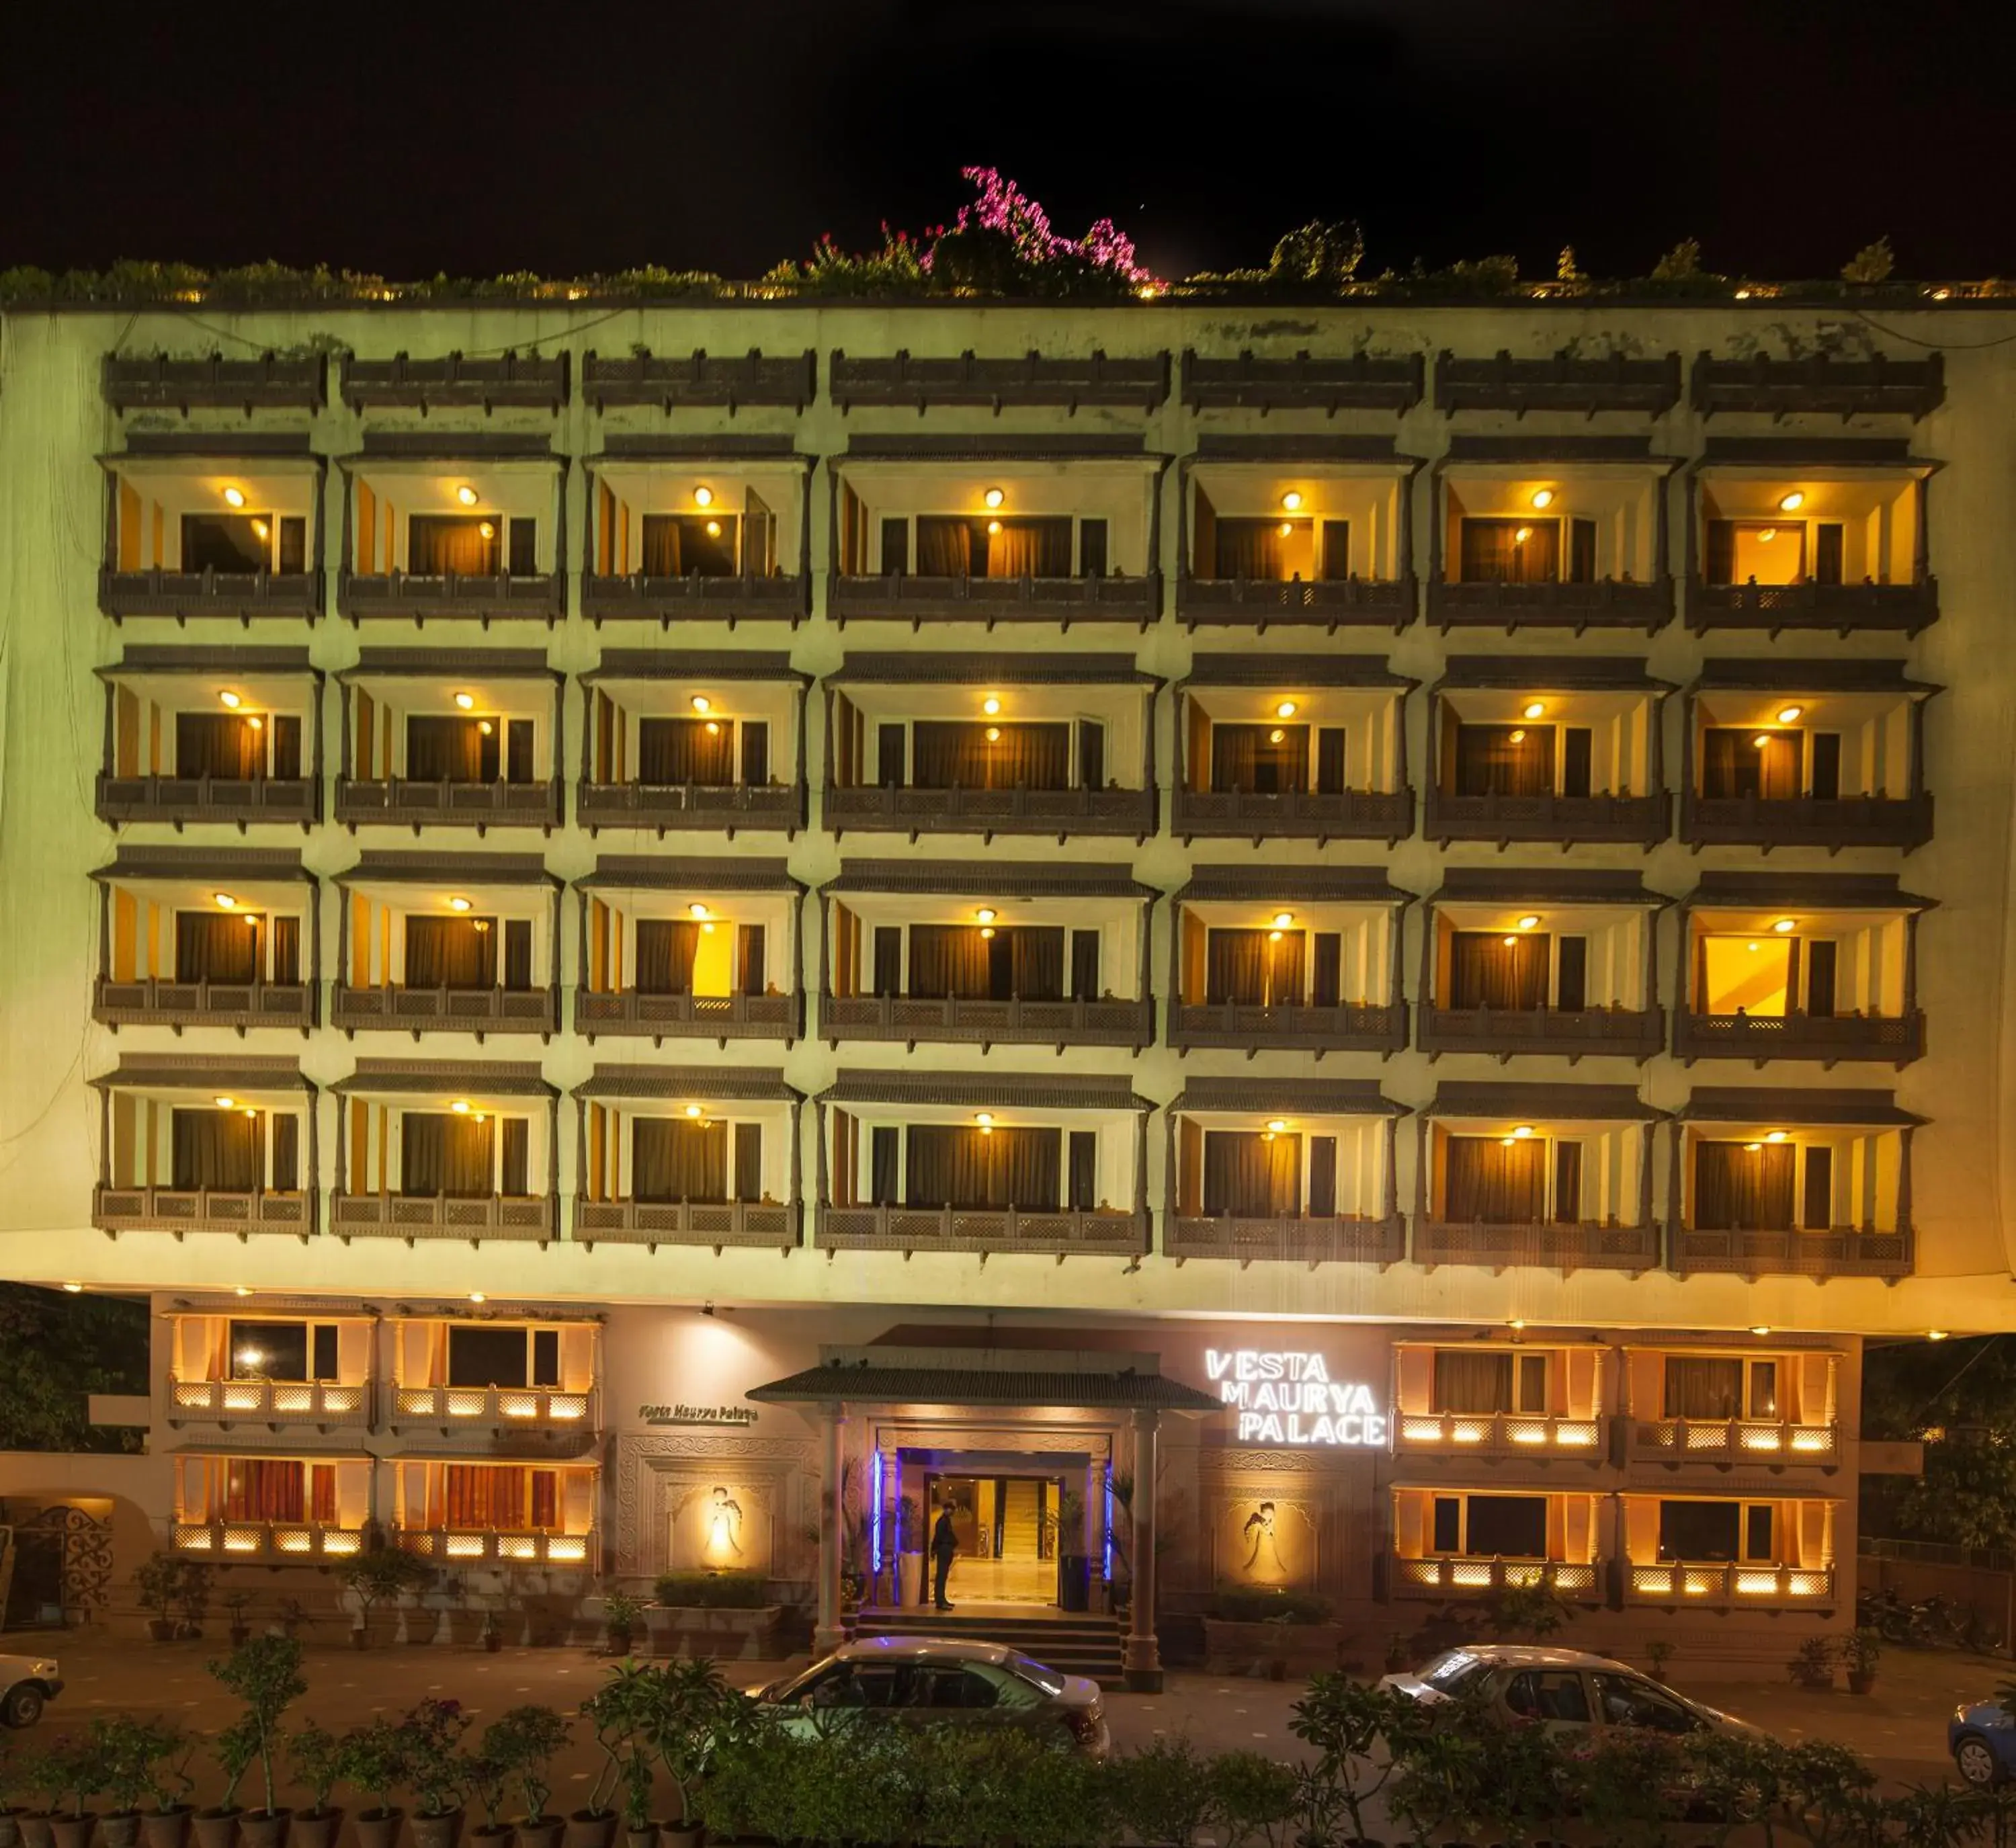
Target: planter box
(1238, 1648)
(727, 1636)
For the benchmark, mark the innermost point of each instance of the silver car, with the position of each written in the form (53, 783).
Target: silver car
(928, 1681)
(1562, 1689)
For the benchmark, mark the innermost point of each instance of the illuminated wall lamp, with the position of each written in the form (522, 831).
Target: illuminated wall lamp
(1532, 709)
(466, 494)
(1543, 498)
(1292, 500)
(465, 700)
(230, 699)
(702, 704)
(991, 705)
(994, 497)
(1791, 503)
(1787, 714)
(234, 497)
(1285, 710)
(702, 497)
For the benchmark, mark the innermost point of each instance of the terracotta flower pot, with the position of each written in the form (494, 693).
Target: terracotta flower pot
(540, 1831)
(1861, 1684)
(264, 1828)
(10, 1828)
(619, 1641)
(316, 1829)
(646, 1837)
(378, 1828)
(669, 1837)
(590, 1828)
(437, 1832)
(493, 1835)
(216, 1828)
(34, 1825)
(72, 1831)
(161, 1629)
(167, 1829)
(121, 1829)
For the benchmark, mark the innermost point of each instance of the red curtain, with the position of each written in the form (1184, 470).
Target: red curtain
(264, 1489)
(481, 1495)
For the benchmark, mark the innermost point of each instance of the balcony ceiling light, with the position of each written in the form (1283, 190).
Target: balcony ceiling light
(1785, 926)
(77, 1290)
(1791, 503)
(1532, 709)
(1285, 710)
(693, 1110)
(985, 914)
(1292, 500)
(1522, 535)
(994, 734)
(466, 494)
(702, 497)
(1543, 498)
(1515, 1324)
(702, 704)
(1930, 1334)
(1283, 919)
(696, 910)
(1775, 1135)
(230, 699)
(991, 705)
(458, 904)
(1787, 714)
(465, 700)
(227, 1103)
(477, 1296)
(1278, 1124)
(460, 1107)
(225, 901)
(1760, 1328)
(1531, 921)
(985, 1118)
(994, 497)
(1522, 1131)
(243, 1290)
(234, 497)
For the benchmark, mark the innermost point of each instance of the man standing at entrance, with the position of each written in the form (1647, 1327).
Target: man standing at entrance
(945, 1543)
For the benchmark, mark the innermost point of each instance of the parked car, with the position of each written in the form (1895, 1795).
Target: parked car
(31, 1682)
(1982, 1740)
(925, 1680)
(1566, 1689)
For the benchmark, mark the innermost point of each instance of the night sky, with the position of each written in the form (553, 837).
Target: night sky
(576, 137)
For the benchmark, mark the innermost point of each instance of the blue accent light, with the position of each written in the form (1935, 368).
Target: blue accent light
(875, 1512)
(1107, 1571)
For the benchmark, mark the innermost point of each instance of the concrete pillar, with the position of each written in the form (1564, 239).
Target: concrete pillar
(1140, 1656)
(828, 1633)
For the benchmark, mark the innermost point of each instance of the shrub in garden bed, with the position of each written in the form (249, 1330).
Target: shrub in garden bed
(711, 1591)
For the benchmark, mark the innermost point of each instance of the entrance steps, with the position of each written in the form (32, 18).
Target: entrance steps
(1088, 1645)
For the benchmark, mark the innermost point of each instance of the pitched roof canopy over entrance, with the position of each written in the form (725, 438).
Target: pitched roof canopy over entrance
(1057, 1379)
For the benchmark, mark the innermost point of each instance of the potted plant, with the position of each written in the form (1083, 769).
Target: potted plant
(265, 1673)
(234, 1749)
(1399, 1652)
(1813, 1667)
(167, 1824)
(521, 1745)
(158, 1579)
(130, 1753)
(621, 1614)
(1861, 1651)
(491, 1635)
(11, 1787)
(909, 1553)
(85, 1773)
(43, 1773)
(371, 1759)
(1074, 1563)
(192, 1600)
(691, 1703)
(1658, 1652)
(435, 1770)
(1344, 1720)
(619, 1712)
(314, 1756)
(371, 1578)
(237, 1603)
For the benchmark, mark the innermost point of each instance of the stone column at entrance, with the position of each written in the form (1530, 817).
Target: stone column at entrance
(1140, 1656)
(827, 1632)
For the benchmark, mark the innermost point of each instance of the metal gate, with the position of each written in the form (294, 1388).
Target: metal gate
(54, 1562)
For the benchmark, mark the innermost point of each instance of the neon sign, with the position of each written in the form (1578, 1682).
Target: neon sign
(1288, 1397)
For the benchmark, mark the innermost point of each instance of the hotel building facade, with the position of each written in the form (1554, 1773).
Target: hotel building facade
(669, 935)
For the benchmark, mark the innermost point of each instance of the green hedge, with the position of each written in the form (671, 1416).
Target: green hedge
(712, 1590)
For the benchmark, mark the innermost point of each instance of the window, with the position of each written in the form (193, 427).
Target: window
(1699, 1531)
(1487, 971)
(290, 1351)
(689, 545)
(1452, 1673)
(1761, 1401)
(1480, 1382)
(459, 545)
(1756, 552)
(895, 547)
(1705, 1387)
(1624, 1700)
(1739, 762)
(1336, 549)
(1578, 754)
(1092, 548)
(1548, 1694)
(1567, 1183)
(1492, 1526)
(1817, 1207)
(227, 542)
(1500, 760)
(1572, 975)
(484, 1357)
(1749, 975)
(1827, 766)
(944, 1686)
(1518, 551)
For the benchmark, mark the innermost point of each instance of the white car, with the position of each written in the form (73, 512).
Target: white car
(1564, 1689)
(27, 1684)
(928, 1680)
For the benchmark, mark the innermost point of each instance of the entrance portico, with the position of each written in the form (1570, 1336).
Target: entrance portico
(894, 1419)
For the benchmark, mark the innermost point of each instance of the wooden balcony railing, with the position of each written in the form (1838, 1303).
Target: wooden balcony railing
(1330, 382)
(901, 809)
(269, 1401)
(1634, 821)
(983, 1023)
(1341, 1238)
(201, 1210)
(1471, 1577)
(764, 1225)
(1896, 1039)
(1589, 1033)
(1842, 608)
(689, 1017)
(1349, 1026)
(404, 803)
(154, 1001)
(500, 1407)
(1330, 603)
(637, 598)
(1732, 1440)
(1342, 815)
(499, 597)
(463, 1547)
(1844, 1251)
(699, 380)
(1561, 382)
(1606, 604)
(1806, 821)
(1721, 1583)
(180, 799)
(900, 598)
(266, 1543)
(156, 383)
(294, 595)
(1568, 1245)
(683, 808)
(1498, 1434)
(533, 1219)
(980, 1229)
(391, 1007)
(1034, 379)
(530, 381)
(1820, 383)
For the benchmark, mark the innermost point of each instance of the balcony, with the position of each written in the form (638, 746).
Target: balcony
(1345, 815)
(394, 1008)
(1340, 1239)
(532, 381)
(1330, 603)
(1348, 1027)
(1631, 821)
(1061, 1023)
(1356, 382)
(1820, 384)
(276, 1402)
(1499, 1435)
(700, 381)
(689, 1017)
(1457, 1576)
(1502, 1032)
(297, 596)
(1843, 1251)
(497, 1407)
(898, 597)
(183, 799)
(460, 1547)
(902, 809)
(179, 1210)
(689, 808)
(1606, 604)
(155, 1001)
(1032, 380)
(402, 802)
(266, 1543)
(530, 1220)
(1894, 1040)
(778, 597)
(913, 1229)
(1833, 822)
(157, 383)
(1566, 1245)
(1645, 387)
(1845, 608)
(747, 1225)
(1731, 1440)
(498, 597)
(1725, 1584)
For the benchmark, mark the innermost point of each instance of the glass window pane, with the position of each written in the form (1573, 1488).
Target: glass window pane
(486, 1356)
(1508, 1526)
(269, 1350)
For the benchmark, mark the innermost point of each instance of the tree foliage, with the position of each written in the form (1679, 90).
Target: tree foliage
(1959, 1399)
(55, 1350)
